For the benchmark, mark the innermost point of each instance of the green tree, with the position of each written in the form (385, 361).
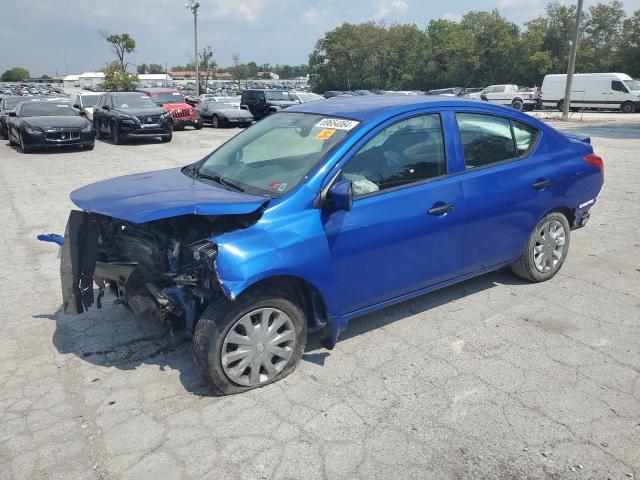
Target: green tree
(603, 36)
(121, 44)
(630, 45)
(15, 74)
(143, 68)
(155, 68)
(118, 80)
(207, 65)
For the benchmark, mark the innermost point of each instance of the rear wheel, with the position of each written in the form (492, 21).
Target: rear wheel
(115, 134)
(628, 107)
(546, 249)
(249, 343)
(214, 121)
(518, 105)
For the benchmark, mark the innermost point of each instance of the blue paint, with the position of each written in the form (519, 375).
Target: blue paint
(51, 237)
(181, 296)
(386, 248)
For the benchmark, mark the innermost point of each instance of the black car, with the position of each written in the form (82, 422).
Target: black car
(7, 104)
(220, 114)
(48, 124)
(263, 102)
(130, 114)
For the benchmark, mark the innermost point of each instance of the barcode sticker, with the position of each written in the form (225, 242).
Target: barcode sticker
(336, 124)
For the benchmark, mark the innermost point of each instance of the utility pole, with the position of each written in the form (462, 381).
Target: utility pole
(572, 63)
(193, 6)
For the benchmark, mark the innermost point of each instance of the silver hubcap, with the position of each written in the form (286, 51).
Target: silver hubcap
(549, 246)
(258, 346)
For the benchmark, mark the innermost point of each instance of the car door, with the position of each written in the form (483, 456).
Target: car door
(506, 187)
(618, 93)
(405, 230)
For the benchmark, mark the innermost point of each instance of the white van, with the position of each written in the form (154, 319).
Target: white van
(593, 90)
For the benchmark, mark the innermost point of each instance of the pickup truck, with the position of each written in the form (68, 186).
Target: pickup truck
(508, 95)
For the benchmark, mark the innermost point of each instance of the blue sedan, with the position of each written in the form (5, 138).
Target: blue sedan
(324, 212)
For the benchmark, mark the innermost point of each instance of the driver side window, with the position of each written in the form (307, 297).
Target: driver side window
(407, 152)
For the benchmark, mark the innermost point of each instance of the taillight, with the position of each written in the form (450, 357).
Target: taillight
(595, 161)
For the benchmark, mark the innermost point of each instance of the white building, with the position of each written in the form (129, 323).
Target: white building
(71, 81)
(154, 79)
(91, 78)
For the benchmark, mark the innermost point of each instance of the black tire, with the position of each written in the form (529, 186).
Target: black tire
(517, 105)
(116, 136)
(199, 124)
(9, 136)
(246, 125)
(23, 148)
(525, 266)
(560, 105)
(96, 130)
(214, 121)
(628, 107)
(88, 147)
(166, 138)
(3, 133)
(218, 319)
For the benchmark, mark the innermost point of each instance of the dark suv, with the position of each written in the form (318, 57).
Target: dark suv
(124, 115)
(262, 103)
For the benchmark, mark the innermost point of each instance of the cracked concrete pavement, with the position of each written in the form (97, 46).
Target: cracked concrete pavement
(491, 378)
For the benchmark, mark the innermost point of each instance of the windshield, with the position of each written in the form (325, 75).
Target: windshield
(41, 109)
(310, 97)
(9, 103)
(276, 153)
(174, 97)
(89, 100)
(221, 106)
(277, 96)
(133, 101)
(633, 85)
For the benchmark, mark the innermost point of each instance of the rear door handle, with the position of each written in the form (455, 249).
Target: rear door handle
(440, 209)
(541, 183)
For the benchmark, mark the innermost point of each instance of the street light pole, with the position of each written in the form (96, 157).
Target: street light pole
(572, 63)
(193, 6)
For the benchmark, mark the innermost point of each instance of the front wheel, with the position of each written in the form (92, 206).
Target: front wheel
(214, 121)
(115, 134)
(249, 343)
(628, 107)
(546, 249)
(23, 147)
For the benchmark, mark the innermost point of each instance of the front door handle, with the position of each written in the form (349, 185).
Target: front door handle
(541, 184)
(440, 209)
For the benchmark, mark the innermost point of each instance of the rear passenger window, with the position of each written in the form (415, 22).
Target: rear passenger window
(525, 137)
(486, 139)
(406, 152)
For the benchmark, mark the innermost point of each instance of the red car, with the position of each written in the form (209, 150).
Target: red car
(172, 101)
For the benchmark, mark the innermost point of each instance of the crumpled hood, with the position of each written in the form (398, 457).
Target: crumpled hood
(144, 197)
(63, 121)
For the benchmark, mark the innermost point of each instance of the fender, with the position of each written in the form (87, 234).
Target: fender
(294, 245)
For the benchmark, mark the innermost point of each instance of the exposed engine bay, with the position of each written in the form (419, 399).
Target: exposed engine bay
(162, 270)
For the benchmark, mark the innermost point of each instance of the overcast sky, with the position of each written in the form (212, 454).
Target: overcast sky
(63, 36)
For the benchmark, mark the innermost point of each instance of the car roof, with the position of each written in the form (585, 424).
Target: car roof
(365, 108)
(157, 90)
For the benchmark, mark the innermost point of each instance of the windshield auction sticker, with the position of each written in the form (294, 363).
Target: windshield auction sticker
(325, 134)
(336, 124)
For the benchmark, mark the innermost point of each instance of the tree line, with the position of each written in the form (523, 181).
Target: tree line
(482, 48)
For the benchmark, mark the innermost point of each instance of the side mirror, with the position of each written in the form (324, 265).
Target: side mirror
(342, 195)
(244, 107)
(106, 107)
(13, 114)
(77, 106)
(82, 113)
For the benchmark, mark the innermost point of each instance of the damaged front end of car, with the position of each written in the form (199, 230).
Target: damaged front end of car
(162, 270)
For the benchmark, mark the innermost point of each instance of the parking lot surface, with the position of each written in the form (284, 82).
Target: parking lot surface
(491, 378)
